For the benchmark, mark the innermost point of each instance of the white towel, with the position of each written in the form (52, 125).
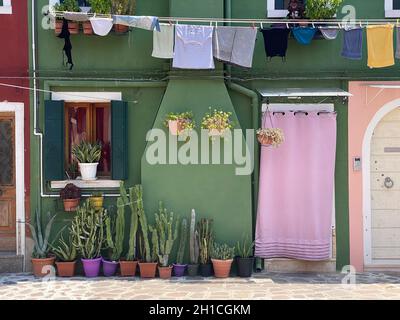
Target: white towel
(101, 26)
(163, 42)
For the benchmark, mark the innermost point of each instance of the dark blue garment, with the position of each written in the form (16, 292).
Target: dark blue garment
(352, 44)
(304, 35)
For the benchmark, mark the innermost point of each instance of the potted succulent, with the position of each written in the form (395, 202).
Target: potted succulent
(217, 122)
(270, 137)
(115, 231)
(123, 7)
(148, 265)
(245, 259)
(96, 200)
(70, 6)
(66, 257)
(70, 195)
(179, 266)
(222, 257)
(128, 264)
(179, 123)
(205, 245)
(167, 233)
(193, 267)
(88, 155)
(42, 261)
(88, 233)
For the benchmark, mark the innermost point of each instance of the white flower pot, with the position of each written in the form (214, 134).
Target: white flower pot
(88, 170)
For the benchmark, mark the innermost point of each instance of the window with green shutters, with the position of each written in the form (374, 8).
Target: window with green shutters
(66, 124)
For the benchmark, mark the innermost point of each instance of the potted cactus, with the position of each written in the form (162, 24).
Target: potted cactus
(70, 195)
(42, 261)
(88, 155)
(123, 7)
(96, 200)
(193, 267)
(245, 259)
(66, 257)
(88, 231)
(179, 266)
(222, 257)
(205, 245)
(70, 6)
(128, 264)
(167, 231)
(148, 265)
(115, 231)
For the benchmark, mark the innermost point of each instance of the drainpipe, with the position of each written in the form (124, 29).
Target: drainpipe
(255, 103)
(228, 15)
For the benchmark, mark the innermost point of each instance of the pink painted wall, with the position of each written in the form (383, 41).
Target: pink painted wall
(364, 104)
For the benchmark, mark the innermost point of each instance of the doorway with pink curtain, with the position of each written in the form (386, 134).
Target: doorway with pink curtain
(294, 217)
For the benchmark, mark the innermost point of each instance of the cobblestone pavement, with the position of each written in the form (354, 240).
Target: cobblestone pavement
(261, 286)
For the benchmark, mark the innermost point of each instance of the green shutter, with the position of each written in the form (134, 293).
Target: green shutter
(119, 140)
(53, 140)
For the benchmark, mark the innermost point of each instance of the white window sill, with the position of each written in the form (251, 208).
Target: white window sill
(277, 13)
(94, 184)
(5, 9)
(392, 13)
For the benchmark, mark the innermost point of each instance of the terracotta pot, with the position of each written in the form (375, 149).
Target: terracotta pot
(264, 140)
(147, 269)
(222, 268)
(87, 28)
(175, 126)
(96, 202)
(41, 267)
(70, 204)
(120, 28)
(66, 268)
(73, 27)
(165, 272)
(128, 268)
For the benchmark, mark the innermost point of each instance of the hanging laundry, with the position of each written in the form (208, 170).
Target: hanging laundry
(304, 35)
(64, 34)
(101, 26)
(76, 16)
(141, 22)
(163, 42)
(193, 47)
(235, 45)
(352, 43)
(329, 33)
(380, 46)
(275, 41)
(398, 42)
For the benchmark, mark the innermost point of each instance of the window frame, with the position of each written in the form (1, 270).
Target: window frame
(272, 12)
(389, 11)
(6, 8)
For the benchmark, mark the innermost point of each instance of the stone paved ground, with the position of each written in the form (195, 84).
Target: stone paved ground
(261, 286)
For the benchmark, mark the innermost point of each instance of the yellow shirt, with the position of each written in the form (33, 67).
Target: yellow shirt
(380, 46)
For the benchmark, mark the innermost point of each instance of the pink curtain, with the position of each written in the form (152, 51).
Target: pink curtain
(296, 188)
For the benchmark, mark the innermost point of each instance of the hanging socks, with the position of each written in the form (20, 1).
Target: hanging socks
(64, 34)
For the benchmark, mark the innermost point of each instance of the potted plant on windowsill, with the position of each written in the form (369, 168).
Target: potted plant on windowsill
(270, 137)
(148, 265)
(66, 257)
(179, 123)
(205, 246)
(167, 233)
(128, 265)
(88, 233)
(222, 257)
(42, 260)
(123, 7)
(70, 194)
(88, 155)
(217, 122)
(245, 258)
(97, 200)
(179, 266)
(97, 6)
(70, 6)
(321, 9)
(193, 267)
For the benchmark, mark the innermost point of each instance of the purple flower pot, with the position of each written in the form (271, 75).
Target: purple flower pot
(91, 267)
(109, 268)
(179, 269)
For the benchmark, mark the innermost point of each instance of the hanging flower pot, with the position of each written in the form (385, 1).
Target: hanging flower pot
(217, 122)
(96, 200)
(270, 137)
(179, 123)
(70, 195)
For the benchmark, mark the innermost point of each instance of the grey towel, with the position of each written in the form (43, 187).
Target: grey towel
(352, 44)
(329, 33)
(235, 45)
(397, 42)
(76, 16)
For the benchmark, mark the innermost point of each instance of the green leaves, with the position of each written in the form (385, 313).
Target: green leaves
(68, 5)
(322, 9)
(123, 7)
(65, 251)
(245, 249)
(222, 252)
(86, 152)
(101, 6)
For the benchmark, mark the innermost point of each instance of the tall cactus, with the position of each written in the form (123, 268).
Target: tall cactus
(205, 239)
(138, 202)
(182, 243)
(194, 240)
(154, 243)
(115, 232)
